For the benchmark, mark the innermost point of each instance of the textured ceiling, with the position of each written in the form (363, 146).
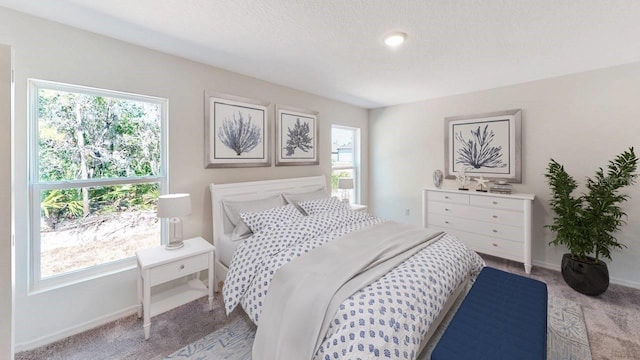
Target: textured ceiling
(334, 48)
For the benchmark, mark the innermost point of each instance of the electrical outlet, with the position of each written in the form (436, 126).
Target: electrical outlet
(407, 212)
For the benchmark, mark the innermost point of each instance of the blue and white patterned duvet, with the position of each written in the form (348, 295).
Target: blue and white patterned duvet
(386, 319)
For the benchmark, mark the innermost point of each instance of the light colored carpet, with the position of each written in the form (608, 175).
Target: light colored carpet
(567, 337)
(612, 320)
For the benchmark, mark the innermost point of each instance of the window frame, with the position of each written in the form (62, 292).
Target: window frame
(355, 167)
(36, 282)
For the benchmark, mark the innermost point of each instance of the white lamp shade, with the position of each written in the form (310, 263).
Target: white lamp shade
(174, 205)
(345, 183)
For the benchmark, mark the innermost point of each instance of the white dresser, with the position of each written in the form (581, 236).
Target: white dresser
(494, 224)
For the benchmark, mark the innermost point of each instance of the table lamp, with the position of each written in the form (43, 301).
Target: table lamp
(173, 206)
(345, 184)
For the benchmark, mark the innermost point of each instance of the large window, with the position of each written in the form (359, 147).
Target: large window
(345, 160)
(98, 164)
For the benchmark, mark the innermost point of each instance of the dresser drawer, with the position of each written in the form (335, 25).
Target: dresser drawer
(492, 230)
(448, 197)
(444, 208)
(497, 203)
(497, 247)
(499, 216)
(494, 216)
(177, 269)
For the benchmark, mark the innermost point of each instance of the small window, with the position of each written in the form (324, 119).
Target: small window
(345, 161)
(98, 164)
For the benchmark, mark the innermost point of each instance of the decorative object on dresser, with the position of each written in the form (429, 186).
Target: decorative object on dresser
(236, 131)
(494, 224)
(462, 179)
(173, 206)
(157, 266)
(345, 185)
(489, 144)
(501, 187)
(586, 224)
(437, 178)
(482, 184)
(296, 136)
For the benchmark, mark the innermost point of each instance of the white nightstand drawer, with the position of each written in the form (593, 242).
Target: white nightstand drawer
(497, 203)
(178, 269)
(449, 197)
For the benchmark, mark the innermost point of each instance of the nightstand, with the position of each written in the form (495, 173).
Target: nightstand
(358, 207)
(158, 266)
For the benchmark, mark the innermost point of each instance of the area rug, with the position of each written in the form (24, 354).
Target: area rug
(566, 337)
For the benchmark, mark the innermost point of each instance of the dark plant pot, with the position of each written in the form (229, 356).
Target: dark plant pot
(589, 278)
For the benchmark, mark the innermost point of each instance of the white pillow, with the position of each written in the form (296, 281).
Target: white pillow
(233, 209)
(296, 198)
(323, 205)
(261, 219)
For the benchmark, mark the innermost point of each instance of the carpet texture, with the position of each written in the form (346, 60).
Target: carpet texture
(567, 337)
(612, 320)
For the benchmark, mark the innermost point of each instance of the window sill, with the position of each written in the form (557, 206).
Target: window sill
(80, 276)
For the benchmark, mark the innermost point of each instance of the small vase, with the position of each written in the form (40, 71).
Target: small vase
(437, 178)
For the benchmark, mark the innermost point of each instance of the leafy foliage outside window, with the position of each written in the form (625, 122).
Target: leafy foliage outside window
(98, 159)
(299, 138)
(240, 134)
(477, 151)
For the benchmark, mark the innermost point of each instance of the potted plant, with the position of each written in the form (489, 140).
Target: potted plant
(586, 223)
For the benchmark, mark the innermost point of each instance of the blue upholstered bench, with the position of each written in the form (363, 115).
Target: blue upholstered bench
(504, 316)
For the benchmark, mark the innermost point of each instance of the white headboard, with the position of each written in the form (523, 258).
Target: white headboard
(251, 191)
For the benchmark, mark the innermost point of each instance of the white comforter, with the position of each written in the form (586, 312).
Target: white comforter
(388, 318)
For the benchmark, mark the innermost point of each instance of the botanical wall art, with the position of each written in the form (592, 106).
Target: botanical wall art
(296, 136)
(485, 145)
(236, 131)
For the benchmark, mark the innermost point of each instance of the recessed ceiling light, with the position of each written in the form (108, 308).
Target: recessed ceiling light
(395, 39)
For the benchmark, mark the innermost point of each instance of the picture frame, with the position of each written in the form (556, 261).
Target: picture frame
(237, 131)
(487, 145)
(296, 136)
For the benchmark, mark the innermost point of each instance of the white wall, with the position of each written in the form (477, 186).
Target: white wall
(6, 269)
(581, 120)
(51, 51)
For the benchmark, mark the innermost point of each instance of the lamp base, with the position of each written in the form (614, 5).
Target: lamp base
(174, 245)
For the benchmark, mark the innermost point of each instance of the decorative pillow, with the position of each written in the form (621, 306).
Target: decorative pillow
(297, 198)
(261, 219)
(323, 205)
(233, 209)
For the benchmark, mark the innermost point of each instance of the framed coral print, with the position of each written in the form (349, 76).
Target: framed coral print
(485, 145)
(236, 131)
(296, 136)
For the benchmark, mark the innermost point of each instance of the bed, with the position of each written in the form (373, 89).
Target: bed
(392, 317)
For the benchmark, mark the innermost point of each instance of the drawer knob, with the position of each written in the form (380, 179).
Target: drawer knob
(495, 231)
(181, 266)
(495, 203)
(494, 244)
(495, 216)
(445, 209)
(446, 197)
(446, 221)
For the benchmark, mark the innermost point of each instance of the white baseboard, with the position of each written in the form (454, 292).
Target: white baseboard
(612, 280)
(59, 335)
